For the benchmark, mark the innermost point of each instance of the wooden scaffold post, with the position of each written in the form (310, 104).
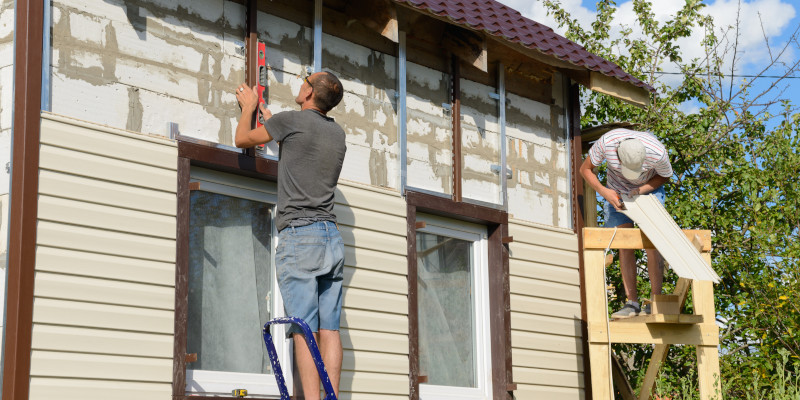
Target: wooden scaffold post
(661, 330)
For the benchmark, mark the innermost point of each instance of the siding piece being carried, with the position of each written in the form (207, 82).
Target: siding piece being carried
(668, 238)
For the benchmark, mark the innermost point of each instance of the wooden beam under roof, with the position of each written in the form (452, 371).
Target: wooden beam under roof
(377, 15)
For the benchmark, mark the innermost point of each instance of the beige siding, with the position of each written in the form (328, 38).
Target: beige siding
(375, 309)
(547, 350)
(105, 269)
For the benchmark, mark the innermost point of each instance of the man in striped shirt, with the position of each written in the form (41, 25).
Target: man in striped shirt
(636, 163)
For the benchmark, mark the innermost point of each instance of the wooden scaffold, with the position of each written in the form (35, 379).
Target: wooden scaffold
(661, 330)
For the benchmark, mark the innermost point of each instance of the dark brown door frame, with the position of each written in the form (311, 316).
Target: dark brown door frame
(28, 44)
(496, 223)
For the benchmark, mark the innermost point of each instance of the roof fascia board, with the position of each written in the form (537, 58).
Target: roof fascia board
(624, 91)
(668, 238)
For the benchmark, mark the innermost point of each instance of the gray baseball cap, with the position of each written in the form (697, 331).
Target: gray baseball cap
(631, 154)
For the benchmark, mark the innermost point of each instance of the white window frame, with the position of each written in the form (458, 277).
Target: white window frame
(223, 383)
(477, 234)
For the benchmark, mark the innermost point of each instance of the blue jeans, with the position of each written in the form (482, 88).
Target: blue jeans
(310, 264)
(615, 218)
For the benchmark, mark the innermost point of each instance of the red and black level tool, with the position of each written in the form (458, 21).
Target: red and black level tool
(261, 88)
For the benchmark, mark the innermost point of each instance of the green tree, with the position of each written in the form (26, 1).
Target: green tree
(737, 173)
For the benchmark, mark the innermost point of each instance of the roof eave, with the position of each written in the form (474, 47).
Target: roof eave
(619, 89)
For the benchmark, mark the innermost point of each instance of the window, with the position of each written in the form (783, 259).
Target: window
(232, 286)
(453, 310)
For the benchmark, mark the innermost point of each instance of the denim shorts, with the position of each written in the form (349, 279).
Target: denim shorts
(310, 264)
(615, 218)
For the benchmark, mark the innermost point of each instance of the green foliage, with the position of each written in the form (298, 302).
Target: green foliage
(781, 383)
(737, 173)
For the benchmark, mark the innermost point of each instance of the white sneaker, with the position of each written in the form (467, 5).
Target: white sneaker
(630, 309)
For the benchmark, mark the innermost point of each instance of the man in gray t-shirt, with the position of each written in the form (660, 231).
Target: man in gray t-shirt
(309, 260)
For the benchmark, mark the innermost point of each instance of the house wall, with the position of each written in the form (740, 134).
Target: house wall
(136, 65)
(429, 130)
(547, 350)
(539, 158)
(6, 90)
(105, 264)
(480, 142)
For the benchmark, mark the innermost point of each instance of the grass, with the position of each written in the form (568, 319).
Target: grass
(782, 384)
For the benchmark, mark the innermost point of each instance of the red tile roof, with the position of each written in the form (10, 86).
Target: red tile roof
(500, 20)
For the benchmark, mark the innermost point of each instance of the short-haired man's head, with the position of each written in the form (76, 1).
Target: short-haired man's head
(328, 90)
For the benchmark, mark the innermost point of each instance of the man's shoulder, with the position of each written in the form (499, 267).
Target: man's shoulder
(619, 134)
(288, 114)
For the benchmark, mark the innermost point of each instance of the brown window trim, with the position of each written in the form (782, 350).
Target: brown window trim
(496, 223)
(207, 155)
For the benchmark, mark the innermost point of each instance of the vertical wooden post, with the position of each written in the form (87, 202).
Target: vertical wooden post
(597, 318)
(456, 114)
(708, 374)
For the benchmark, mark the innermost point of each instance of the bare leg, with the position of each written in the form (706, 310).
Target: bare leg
(627, 264)
(655, 268)
(309, 378)
(331, 348)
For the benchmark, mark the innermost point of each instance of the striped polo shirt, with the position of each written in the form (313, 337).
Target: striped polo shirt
(656, 160)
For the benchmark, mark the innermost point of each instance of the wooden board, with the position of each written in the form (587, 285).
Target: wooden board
(694, 334)
(662, 319)
(633, 238)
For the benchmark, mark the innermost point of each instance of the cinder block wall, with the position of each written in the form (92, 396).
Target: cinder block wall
(138, 65)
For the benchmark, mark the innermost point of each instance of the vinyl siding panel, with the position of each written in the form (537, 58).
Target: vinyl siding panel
(90, 389)
(53, 183)
(542, 377)
(104, 294)
(67, 261)
(100, 366)
(547, 347)
(375, 304)
(103, 316)
(526, 391)
(101, 341)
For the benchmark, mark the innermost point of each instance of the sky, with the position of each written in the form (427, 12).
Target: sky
(781, 19)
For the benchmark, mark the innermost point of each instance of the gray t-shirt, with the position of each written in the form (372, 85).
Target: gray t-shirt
(312, 148)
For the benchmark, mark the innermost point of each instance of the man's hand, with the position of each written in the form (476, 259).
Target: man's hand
(612, 197)
(635, 192)
(248, 101)
(247, 97)
(265, 112)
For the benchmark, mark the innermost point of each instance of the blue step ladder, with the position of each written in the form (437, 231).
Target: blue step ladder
(312, 346)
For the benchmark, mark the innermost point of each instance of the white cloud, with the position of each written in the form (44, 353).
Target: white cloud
(776, 15)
